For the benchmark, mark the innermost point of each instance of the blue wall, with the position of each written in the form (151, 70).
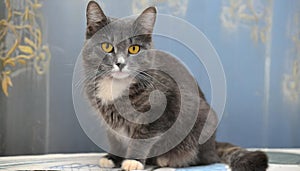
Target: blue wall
(263, 109)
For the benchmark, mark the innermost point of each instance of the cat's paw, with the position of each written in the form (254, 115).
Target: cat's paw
(132, 165)
(163, 162)
(106, 163)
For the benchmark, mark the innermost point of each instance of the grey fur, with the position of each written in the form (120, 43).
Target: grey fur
(98, 65)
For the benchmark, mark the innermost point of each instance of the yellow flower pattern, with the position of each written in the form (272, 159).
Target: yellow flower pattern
(177, 7)
(254, 14)
(291, 80)
(21, 40)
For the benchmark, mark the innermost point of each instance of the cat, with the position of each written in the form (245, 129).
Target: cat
(109, 56)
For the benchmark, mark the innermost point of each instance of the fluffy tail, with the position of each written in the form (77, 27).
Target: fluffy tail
(240, 159)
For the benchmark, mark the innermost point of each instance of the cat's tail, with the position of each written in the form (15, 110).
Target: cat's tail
(240, 159)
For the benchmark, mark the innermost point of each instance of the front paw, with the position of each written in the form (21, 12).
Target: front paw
(106, 163)
(132, 165)
(163, 162)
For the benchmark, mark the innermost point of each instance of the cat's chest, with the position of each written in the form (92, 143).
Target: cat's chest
(109, 89)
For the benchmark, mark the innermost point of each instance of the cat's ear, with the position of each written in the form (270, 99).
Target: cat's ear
(145, 22)
(96, 19)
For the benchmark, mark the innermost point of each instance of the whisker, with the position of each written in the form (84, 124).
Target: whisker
(89, 80)
(146, 81)
(87, 76)
(148, 75)
(90, 75)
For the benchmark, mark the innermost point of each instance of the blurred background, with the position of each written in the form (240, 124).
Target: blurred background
(258, 42)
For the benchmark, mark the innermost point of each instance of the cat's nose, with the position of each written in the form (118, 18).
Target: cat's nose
(120, 65)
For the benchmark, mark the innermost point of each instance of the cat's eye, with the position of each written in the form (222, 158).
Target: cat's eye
(134, 49)
(107, 47)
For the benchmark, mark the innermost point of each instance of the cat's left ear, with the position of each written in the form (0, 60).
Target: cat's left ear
(146, 21)
(96, 19)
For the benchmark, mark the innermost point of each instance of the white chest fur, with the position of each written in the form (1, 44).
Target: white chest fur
(110, 89)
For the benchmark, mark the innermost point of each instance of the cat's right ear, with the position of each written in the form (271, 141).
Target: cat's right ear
(145, 22)
(95, 17)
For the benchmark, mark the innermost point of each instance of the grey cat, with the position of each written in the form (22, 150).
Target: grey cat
(115, 43)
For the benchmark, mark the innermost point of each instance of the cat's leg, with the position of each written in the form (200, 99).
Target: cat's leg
(138, 149)
(189, 153)
(207, 153)
(111, 160)
(177, 157)
(135, 150)
(133, 164)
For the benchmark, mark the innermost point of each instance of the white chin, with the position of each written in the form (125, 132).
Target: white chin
(120, 75)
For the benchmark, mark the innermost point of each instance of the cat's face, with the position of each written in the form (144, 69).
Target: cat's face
(117, 42)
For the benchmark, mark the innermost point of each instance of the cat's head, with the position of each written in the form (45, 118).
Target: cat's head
(113, 42)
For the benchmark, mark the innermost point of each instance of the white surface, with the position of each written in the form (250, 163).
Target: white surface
(90, 161)
(276, 167)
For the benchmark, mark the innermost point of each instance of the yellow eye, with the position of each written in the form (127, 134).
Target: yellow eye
(134, 49)
(107, 47)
